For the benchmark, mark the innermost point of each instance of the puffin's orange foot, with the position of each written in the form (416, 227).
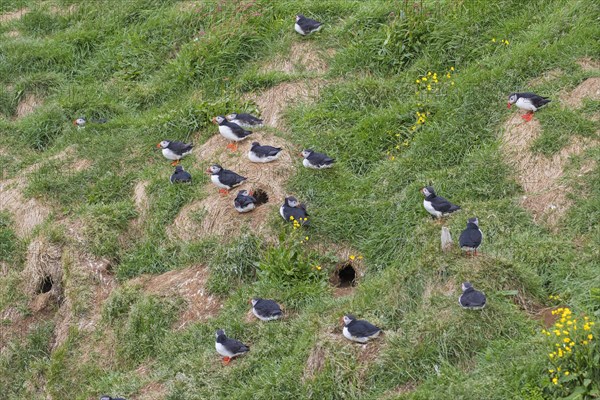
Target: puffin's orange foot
(226, 360)
(174, 163)
(223, 192)
(232, 146)
(527, 117)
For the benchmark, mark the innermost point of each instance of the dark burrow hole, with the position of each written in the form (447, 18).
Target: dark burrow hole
(346, 276)
(46, 285)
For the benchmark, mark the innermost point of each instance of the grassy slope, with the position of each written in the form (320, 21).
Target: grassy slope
(137, 64)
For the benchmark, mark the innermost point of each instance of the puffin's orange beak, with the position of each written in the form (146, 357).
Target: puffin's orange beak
(251, 193)
(508, 105)
(214, 120)
(74, 122)
(158, 145)
(208, 170)
(301, 155)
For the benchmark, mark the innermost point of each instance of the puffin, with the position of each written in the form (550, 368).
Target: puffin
(436, 205)
(470, 298)
(530, 102)
(291, 210)
(229, 348)
(305, 26)
(81, 121)
(175, 151)
(224, 178)
(245, 120)
(180, 175)
(315, 160)
(265, 310)
(359, 330)
(247, 201)
(231, 131)
(110, 398)
(263, 154)
(470, 239)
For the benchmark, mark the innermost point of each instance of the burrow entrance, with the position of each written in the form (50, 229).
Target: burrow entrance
(343, 279)
(45, 285)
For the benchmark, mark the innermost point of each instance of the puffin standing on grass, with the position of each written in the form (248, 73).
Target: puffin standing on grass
(81, 121)
(305, 26)
(470, 239)
(436, 205)
(263, 154)
(224, 178)
(359, 330)
(530, 102)
(291, 211)
(174, 151)
(315, 160)
(229, 348)
(180, 175)
(110, 398)
(470, 298)
(245, 120)
(266, 310)
(247, 201)
(231, 131)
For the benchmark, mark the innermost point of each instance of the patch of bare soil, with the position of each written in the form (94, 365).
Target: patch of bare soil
(189, 285)
(63, 11)
(542, 177)
(29, 213)
(546, 77)
(589, 64)
(152, 391)
(216, 215)
(273, 101)
(303, 56)
(27, 105)
(13, 15)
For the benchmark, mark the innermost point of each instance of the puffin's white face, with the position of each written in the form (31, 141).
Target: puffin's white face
(425, 192)
(214, 169)
(465, 286)
(254, 301)
(513, 98)
(164, 144)
(220, 119)
(245, 193)
(230, 116)
(306, 153)
(80, 122)
(347, 320)
(105, 398)
(292, 202)
(474, 221)
(298, 17)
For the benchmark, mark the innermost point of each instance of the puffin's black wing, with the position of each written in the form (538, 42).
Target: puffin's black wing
(308, 24)
(472, 298)
(320, 159)
(536, 100)
(235, 346)
(243, 201)
(266, 151)
(298, 213)
(237, 130)
(249, 119)
(470, 237)
(441, 204)
(268, 308)
(179, 147)
(230, 178)
(361, 328)
(181, 176)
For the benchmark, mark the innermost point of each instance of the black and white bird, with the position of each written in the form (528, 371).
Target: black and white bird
(81, 121)
(292, 210)
(470, 239)
(359, 330)
(304, 25)
(315, 160)
(180, 175)
(470, 298)
(436, 205)
(224, 178)
(229, 348)
(174, 151)
(266, 310)
(231, 131)
(245, 120)
(263, 154)
(529, 102)
(247, 201)
(110, 398)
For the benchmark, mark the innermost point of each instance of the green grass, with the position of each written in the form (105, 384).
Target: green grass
(161, 70)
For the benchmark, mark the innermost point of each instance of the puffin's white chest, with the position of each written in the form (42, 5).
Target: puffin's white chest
(261, 317)
(429, 207)
(228, 133)
(298, 29)
(215, 179)
(349, 336)
(256, 159)
(222, 350)
(246, 209)
(308, 164)
(281, 212)
(525, 104)
(170, 155)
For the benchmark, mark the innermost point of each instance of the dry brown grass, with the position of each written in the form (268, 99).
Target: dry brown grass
(215, 215)
(590, 88)
(589, 64)
(28, 212)
(27, 105)
(13, 33)
(43, 262)
(13, 15)
(303, 56)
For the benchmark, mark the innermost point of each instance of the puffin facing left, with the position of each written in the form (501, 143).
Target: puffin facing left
(229, 348)
(110, 398)
(174, 151)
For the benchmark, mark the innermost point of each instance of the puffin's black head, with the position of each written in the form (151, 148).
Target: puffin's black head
(428, 190)
(254, 144)
(178, 168)
(164, 144)
(244, 193)
(220, 119)
(220, 334)
(512, 99)
(473, 220)
(348, 318)
(214, 169)
(307, 152)
(466, 285)
(291, 201)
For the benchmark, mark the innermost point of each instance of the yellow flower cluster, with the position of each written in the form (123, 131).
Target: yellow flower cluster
(554, 297)
(352, 257)
(427, 82)
(503, 41)
(298, 222)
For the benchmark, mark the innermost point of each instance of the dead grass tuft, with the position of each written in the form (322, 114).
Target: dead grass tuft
(589, 64)
(315, 363)
(27, 105)
(13, 15)
(590, 88)
(303, 56)
(43, 265)
(28, 212)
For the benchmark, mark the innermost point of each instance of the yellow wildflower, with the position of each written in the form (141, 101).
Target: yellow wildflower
(318, 267)
(352, 257)
(566, 373)
(590, 336)
(566, 340)
(555, 380)
(429, 73)
(451, 68)
(494, 40)
(586, 327)
(424, 79)
(418, 81)
(448, 75)
(452, 83)
(585, 342)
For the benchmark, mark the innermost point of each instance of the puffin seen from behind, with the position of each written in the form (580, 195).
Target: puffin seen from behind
(229, 348)
(436, 205)
(470, 298)
(247, 201)
(245, 120)
(359, 330)
(305, 26)
(174, 151)
(263, 154)
(180, 175)
(527, 101)
(315, 160)
(231, 131)
(265, 309)
(470, 238)
(224, 178)
(292, 210)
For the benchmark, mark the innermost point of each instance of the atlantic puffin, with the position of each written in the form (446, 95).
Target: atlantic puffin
(224, 178)
(470, 239)
(291, 211)
(266, 310)
(304, 25)
(81, 121)
(175, 151)
(229, 348)
(231, 131)
(436, 205)
(247, 201)
(263, 154)
(315, 160)
(470, 298)
(110, 398)
(245, 120)
(359, 330)
(180, 175)
(530, 102)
